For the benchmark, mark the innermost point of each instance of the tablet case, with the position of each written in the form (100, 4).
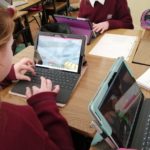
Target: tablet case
(81, 26)
(98, 100)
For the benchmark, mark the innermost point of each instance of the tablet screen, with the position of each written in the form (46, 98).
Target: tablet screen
(58, 52)
(120, 105)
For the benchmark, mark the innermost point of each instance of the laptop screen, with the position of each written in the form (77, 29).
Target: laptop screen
(59, 52)
(120, 105)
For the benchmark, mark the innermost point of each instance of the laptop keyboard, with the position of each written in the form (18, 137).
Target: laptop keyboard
(64, 79)
(146, 137)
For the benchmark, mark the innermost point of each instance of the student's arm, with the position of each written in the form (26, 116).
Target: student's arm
(11, 76)
(17, 72)
(44, 104)
(124, 19)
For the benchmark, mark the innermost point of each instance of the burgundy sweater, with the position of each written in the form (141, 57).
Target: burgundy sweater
(36, 126)
(114, 11)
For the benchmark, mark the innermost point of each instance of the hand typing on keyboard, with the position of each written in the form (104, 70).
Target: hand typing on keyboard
(46, 86)
(23, 66)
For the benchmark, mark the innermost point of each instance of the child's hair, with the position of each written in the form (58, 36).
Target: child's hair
(6, 25)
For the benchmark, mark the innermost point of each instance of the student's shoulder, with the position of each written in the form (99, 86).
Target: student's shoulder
(15, 111)
(20, 115)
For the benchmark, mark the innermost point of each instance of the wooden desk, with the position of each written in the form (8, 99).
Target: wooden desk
(137, 33)
(32, 3)
(142, 55)
(20, 14)
(29, 4)
(76, 111)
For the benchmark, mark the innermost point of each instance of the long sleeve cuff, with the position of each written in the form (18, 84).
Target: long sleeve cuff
(11, 76)
(41, 97)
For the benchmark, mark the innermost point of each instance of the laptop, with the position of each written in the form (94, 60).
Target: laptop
(58, 57)
(120, 111)
(80, 26)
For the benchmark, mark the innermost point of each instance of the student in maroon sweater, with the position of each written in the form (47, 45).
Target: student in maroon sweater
(38, 125)
(106, 14)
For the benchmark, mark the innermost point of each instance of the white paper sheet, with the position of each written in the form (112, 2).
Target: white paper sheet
(144, 80)
(114, 45)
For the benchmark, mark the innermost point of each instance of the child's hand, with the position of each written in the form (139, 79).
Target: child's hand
(100, 27)
(22, 67)
(46, 86)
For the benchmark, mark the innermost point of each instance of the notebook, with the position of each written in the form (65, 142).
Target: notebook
(119, 109)
(80, 26)
(58, 57)
(144, 80)
(115, 45)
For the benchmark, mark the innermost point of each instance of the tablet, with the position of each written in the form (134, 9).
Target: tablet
(79, 26)
(116, 104)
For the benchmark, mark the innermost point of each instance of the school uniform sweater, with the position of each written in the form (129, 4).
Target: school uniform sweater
(114, 11)
(36, 126)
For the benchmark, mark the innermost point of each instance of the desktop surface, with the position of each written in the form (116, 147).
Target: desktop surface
(77, 108)
(76, 111)
(143, 51)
